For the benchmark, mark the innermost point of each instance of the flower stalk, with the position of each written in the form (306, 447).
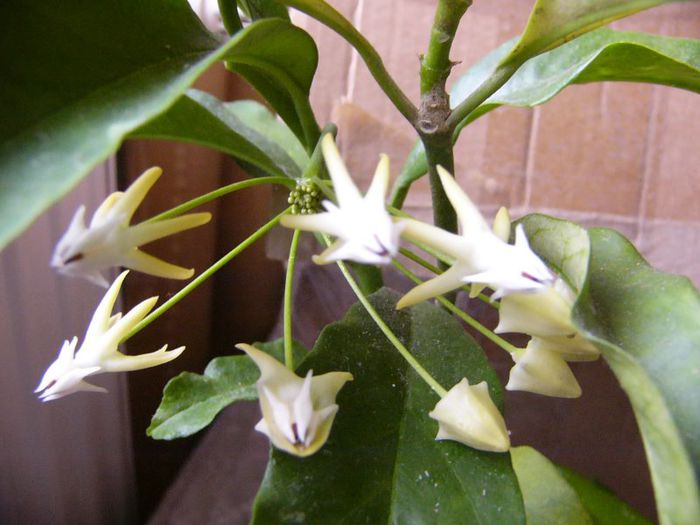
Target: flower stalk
(288, 289)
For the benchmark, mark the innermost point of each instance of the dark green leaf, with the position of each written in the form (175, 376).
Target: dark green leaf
(192, 401)
(549, 499)
(602, 505)
(245, 130)
(555, 22)
(381, 463)
(78, 76)
(280, 62)
(647, 326)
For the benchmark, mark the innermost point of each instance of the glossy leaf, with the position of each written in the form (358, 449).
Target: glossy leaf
(90, 73)
(603, 55)
(549, 499)
(245, 130)
(647, 326)
(280, 64)
(602, 506)
(381, 463)
(192, 401)
(555, 22)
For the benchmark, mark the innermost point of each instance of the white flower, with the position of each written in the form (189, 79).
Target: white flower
(365, 231)
(542, 366)
(467, 414)
(297, 412)
(540, 369)
(86, 251)
(99, 351)
(479, 255)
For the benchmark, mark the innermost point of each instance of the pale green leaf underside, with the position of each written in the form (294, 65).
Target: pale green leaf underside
(381, 463)
(246, 130)
(647, 326)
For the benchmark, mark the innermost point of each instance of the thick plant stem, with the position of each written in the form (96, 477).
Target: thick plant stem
(230, 16)
(288, 288)
(412, 361)
(167, 305)
(436, 64)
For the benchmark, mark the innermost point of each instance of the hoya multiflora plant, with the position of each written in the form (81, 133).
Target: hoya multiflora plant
(395, 414)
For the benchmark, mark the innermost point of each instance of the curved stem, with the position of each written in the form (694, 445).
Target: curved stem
(412, 361)
(288, 287)
(167, 305)
(476, 325)
(327, 15)
(230, 16)
(224, 190)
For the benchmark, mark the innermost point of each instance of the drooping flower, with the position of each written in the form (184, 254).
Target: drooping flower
(467, 414)
(297, 412)
(542, 366)
(99, 351)
(364, 230)
(479, 255)
(109, 240)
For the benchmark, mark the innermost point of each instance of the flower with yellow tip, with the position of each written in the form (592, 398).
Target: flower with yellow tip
(479, 255)
(364, 230)
(297, 413)
(99, 351)
(467, 414)
(109, 240)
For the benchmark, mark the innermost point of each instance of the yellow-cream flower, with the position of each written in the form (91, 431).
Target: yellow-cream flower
(467, 414)
(364, 230)
(109, 240)
(297, 412)
(99, 351)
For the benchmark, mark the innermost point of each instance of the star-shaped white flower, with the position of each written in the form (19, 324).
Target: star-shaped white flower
(297, 412)
(479, 254)
(365, 231)
(109, 240)
(99, 351)
(467, 414)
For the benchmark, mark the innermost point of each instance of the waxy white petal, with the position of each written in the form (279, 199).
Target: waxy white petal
(542, 371)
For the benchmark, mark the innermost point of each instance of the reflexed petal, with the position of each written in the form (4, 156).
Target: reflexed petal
(100, 321)
(145, 263)
(443, 283)
(132, 198)
(150, 231)
(542, 371)
(118, 362)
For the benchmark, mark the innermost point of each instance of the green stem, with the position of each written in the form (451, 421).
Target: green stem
(412, 361)
(288, 286)
(476, 325)
(327, 15)
(459, 116)
(230, 16)
(224, 190)
(167, 305)
(444, 215)
(436, 63)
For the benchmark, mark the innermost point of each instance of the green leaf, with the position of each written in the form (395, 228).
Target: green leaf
(90, 73)
(603, 55)
(245, 130)
(555, 22)
(192, 401)
(381, 463)
(647, 326)
(602, 505)
(549, 499)
(280, 64)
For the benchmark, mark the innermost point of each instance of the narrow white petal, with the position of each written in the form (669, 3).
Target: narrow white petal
(127, 204)
(148, 232)
(447, 243)
(102, 212)
(501, 224)
(320, 222)
(145, 263)
(123, 326)
(103, 313)
(443, 283)
(118, 362)
(380, 183)
(470, 218)
(345, 190)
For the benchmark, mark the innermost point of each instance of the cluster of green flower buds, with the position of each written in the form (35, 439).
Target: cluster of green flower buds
(305, 198)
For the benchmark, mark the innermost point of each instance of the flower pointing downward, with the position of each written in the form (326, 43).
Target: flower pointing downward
(99, 351)
(297, 412)
(109, 240)
(365, 231)
(467, 414)
(480, 256)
